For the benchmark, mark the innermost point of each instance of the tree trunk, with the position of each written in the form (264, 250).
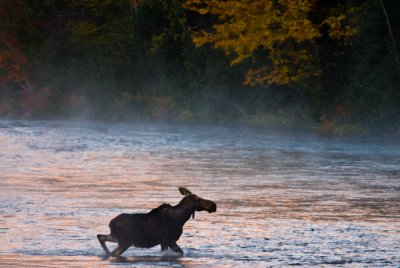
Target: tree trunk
(394, 47)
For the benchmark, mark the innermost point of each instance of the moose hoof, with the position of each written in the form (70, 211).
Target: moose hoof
(171, 253)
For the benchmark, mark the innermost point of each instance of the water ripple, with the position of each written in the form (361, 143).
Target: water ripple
(283, 199)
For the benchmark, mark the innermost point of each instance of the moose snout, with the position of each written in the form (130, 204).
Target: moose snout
(212, 208)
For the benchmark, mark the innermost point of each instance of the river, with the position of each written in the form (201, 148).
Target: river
(284, 199)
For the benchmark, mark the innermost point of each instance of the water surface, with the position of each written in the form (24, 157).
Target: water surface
(283, 199)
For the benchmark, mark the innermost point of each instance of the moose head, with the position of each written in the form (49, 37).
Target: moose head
(197, 203)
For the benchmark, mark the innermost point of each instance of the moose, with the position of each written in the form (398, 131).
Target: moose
(161, 226)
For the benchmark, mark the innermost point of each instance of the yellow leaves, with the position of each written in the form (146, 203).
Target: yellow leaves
(295, 20)
(302, 30)
(283, 28)
(338, 29)
(247, 26)
(285, 66)
(241, 28)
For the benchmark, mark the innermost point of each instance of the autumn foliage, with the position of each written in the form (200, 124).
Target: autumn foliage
(286, 29)
(290, 63)
(12, 59)
(11, 63)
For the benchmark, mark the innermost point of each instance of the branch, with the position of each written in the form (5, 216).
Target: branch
(396, 56)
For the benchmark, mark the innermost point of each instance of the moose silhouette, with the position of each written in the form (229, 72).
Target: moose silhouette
(161, 226)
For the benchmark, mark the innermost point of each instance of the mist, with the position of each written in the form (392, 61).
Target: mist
(121, 63)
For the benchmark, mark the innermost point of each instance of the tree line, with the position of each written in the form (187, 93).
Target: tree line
(332, 65)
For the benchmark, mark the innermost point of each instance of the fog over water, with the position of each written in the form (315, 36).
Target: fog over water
(283, 198)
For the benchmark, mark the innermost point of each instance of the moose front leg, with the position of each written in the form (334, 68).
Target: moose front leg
(103, 239)
(172, 245)
(164, 247)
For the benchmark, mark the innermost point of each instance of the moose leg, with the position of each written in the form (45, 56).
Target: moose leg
(103, 239)
(164, 247)
(172, 245)
(119, 250)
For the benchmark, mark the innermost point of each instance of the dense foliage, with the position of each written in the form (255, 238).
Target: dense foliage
(301, 63)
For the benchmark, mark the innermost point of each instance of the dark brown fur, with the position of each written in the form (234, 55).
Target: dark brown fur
(161, 226)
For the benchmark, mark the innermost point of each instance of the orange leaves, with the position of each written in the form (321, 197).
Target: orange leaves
(283, 28)
(287, 65)
(338, 28)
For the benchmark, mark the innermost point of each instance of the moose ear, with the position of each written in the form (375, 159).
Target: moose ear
(184, 191)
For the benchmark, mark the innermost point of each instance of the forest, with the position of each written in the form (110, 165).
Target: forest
(329, 66)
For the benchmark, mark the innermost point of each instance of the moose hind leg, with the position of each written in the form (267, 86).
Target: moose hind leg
(119, 250)
(103, 239)
(172, 245)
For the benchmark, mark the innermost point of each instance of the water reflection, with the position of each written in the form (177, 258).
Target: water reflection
(282, 199)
